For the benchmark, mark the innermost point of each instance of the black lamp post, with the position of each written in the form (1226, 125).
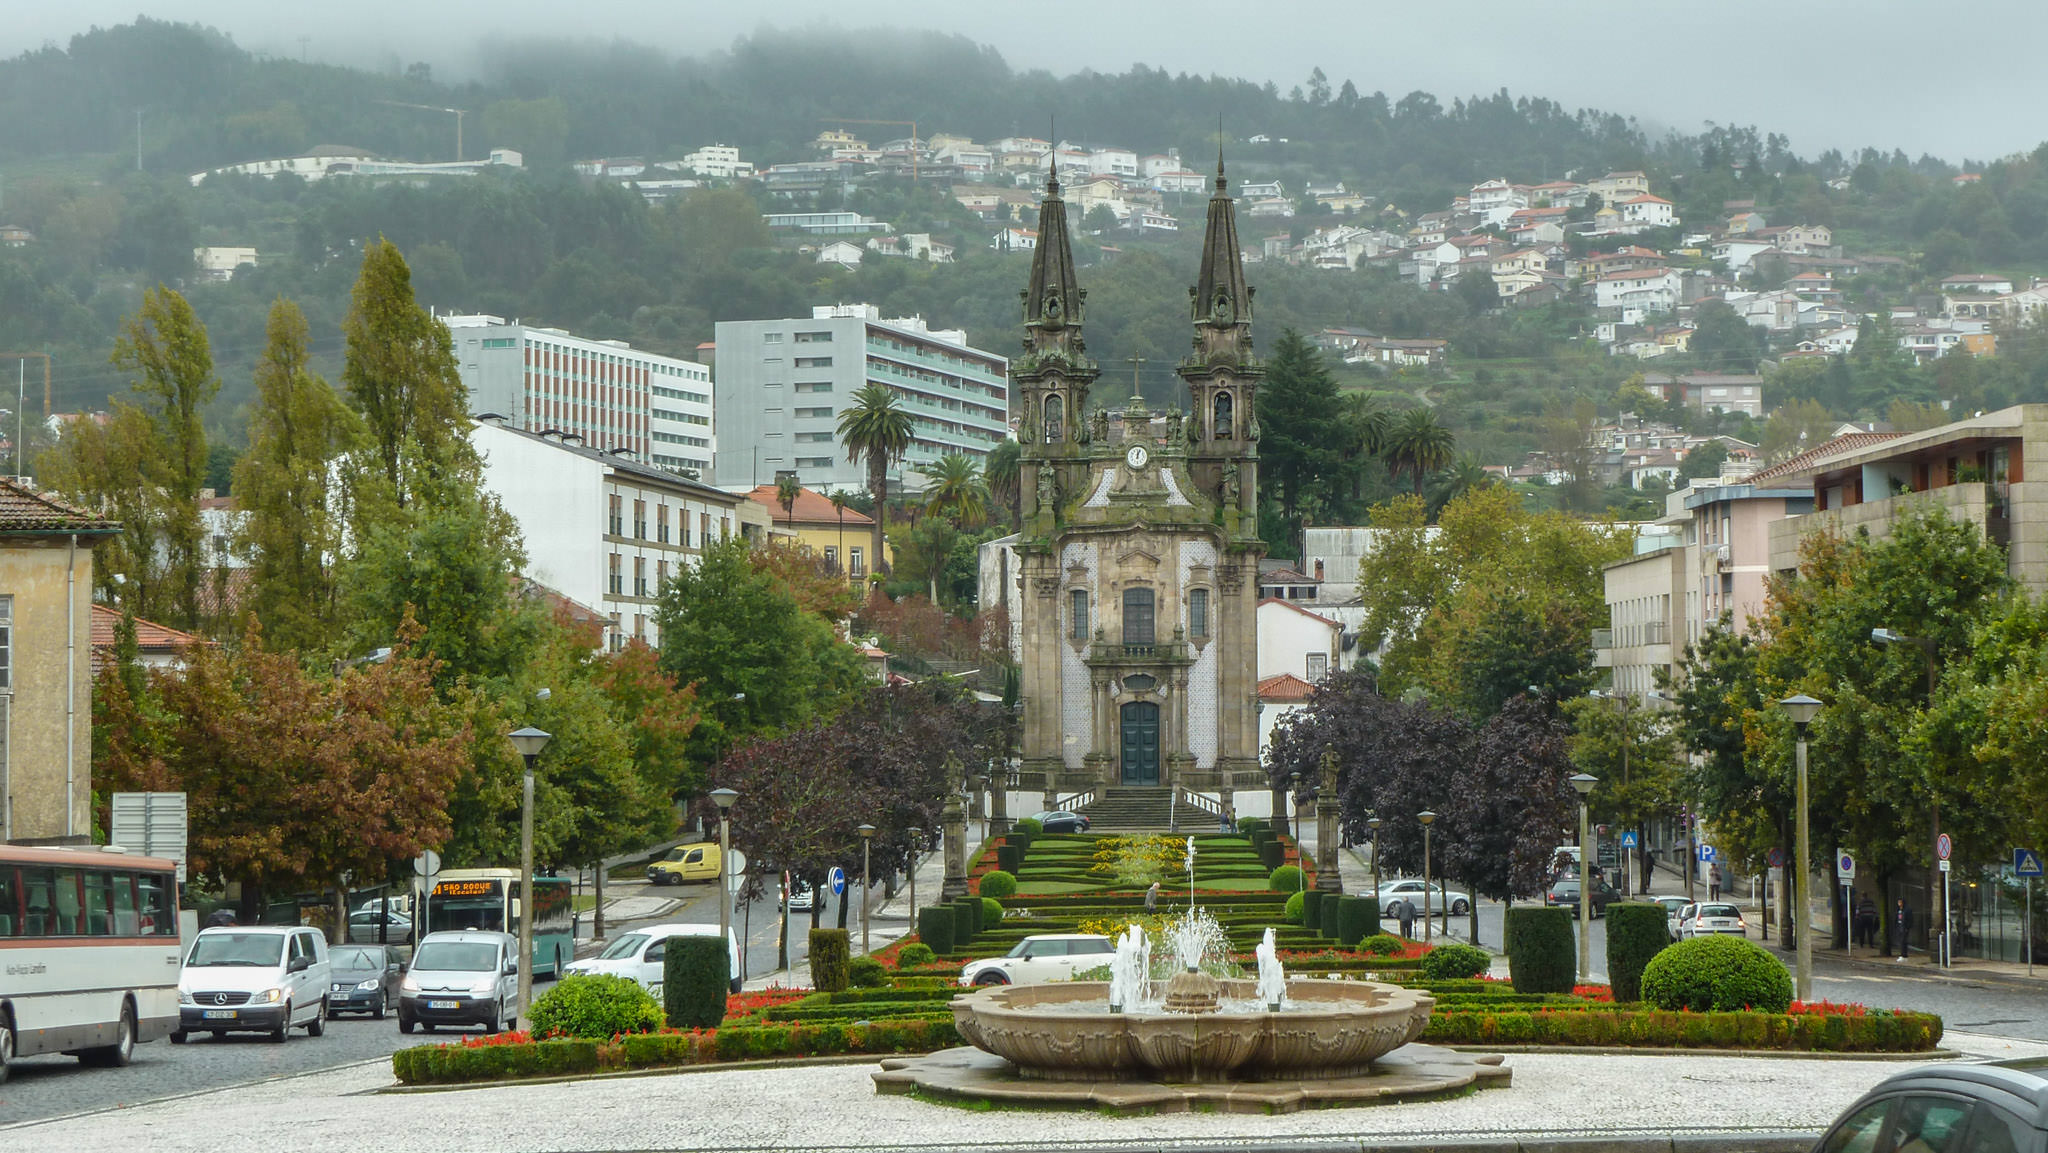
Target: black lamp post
(867, 839)
(724, 799)
(1801, 709)
(529, 741)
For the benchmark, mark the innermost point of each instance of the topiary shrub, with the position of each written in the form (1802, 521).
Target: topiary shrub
(935, 927)
(999, 883)
(1455, 962)
(1312, 909)
(991, 912)
(696, 973)
(1009, 859)
(1246, 826)
(1541, 949)
(1356, 918)
(916, 953)
(966, 920)
(1381, 945)
(829, 950)
(1292, 910)
(1028, 826)
(594, 1006)
(866, 973)
(1636, 932)
(1717, 973)
(1285, 879)
(1271, 853)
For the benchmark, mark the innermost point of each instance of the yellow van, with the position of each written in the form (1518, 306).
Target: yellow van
(685, 863)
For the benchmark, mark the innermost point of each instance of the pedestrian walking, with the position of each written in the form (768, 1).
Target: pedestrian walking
(1152, 898)
(1406, 917)
(1902, 924)
(1866, 921)
(1227, 819)
(1714, 883)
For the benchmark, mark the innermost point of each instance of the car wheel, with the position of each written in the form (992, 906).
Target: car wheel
(992, 977)
(377, 1010)
(1460, 908)
(180, 1036)
(490, 1023)
(404, 1023)
(284, 1025)
(317, 1027)
(6, 1045)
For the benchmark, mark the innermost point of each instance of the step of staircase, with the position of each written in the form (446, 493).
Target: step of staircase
(1130, 810)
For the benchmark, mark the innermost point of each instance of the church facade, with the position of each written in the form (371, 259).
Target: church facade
(1138, 559)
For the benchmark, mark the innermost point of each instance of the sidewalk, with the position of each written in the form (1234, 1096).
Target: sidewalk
(889, 920)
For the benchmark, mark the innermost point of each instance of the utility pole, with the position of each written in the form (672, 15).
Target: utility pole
(458, 112)
(138, 140)
(21, 390)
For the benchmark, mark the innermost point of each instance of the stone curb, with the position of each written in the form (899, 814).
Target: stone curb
(617, 1074)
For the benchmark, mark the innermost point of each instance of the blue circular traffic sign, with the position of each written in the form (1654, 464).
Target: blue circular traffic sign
(836, 880)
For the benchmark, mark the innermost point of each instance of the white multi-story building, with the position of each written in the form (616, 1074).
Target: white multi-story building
(612, 395)
(783, 383)
(1638, 293)
(720, 160)
(600, 529)
(1652, 211)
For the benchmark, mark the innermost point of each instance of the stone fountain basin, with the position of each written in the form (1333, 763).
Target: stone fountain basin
(1330, 1029)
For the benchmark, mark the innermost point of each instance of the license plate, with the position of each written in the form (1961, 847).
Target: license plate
(444, 1004)
(220, 1014)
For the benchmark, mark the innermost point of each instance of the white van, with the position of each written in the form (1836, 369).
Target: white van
(642, 954)
(254, 978)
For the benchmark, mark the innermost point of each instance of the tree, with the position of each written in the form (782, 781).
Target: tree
(1506, 805)
(1704, 461)
(1418, 444)
(400, 373)
(1722, 341)
(1002, 474)
(786, 491)
(878, 432)
(293, 527)
(1631, 746)
(1302, 430)
(957, 491)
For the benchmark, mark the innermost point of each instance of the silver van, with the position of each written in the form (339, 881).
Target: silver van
(254, 978)
(462, 977)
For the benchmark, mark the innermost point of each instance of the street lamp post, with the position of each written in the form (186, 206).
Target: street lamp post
(1427, 818)
(914, 834)
(867, 840)
(1373, 823)
(1801, 709)
(724, 799)
(529, 741)
(1582, 784)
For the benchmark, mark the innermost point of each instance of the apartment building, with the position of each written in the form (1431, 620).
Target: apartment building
(783, 383)
(606, 393)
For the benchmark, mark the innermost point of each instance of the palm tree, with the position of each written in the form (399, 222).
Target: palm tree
(1461, 476)
(877, 431)
(957, 490)
(786, 492)
(1002, 473)
(839, 506)
(1419, 444)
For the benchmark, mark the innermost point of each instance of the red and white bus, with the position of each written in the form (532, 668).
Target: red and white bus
(89, 953)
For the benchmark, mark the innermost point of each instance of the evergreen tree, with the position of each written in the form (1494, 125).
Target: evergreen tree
(401, 376)
(877, 431)
(1301, 429)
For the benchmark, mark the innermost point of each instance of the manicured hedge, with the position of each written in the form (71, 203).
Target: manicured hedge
(1293, 908)
(429, 1064)
(998, 884)
(1717, 972)
(696, 972)
(1540, 945)
(829, 955)
(1312, 910)
(1285, 879)
(1636, 932)
(1454, 961)
(1652, 1028)
(935, 927)
(594, 1005)
(1010, 859)
(1356, 917)
(966, 920)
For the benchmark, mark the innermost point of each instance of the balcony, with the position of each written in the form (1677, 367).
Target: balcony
(1157, 653)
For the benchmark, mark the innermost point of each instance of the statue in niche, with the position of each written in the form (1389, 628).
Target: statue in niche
(1100, 421)
(1252, 432)
(1228, 493)
(1173, 426)
(1053, 413)
(1048, 492)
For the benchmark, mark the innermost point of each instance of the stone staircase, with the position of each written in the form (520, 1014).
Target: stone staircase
(1135, 810)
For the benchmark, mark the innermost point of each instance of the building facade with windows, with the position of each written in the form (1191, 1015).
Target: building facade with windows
(600, 528)
(46, 617)
(607, 392)
(783, 383)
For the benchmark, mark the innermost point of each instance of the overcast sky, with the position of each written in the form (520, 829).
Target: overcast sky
(1955, 81)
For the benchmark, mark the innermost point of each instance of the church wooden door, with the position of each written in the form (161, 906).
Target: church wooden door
(1141, 743)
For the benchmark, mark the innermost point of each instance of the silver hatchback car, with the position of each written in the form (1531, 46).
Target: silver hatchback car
(462, 977)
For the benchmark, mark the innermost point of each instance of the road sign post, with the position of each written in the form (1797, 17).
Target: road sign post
(1845, 870)
(2026, 865)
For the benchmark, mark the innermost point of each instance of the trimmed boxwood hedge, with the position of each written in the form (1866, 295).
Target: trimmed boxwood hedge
(935, 927)
(1540, 947)
(1717, 972)
(966, 920)
(998, 883)
(1356, 918)
(1636, 932)
(1010, 859)
(1651, 1028)
(695, 974)
(1312, 910)
(829, 956)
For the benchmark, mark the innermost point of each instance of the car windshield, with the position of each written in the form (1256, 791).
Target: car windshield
(253, 949)
(456, 956)
(1018, 949)
(626, 946)
(358, 958)
(1720, 911)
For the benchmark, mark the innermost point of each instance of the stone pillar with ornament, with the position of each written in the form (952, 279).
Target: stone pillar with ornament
(1327, 836)
(954, 821)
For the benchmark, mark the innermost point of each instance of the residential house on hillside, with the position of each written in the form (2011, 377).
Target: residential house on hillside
(844, 253)
(1260, 189)
(1710, 391)
(1648, 211)
(1616, 186)
(1979, 282)
(1638, 294)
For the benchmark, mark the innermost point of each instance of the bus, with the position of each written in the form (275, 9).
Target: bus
(89, 953)
(489, 899)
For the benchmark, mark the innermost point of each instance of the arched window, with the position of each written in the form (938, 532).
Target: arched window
(1222, 416)
(1054, 411)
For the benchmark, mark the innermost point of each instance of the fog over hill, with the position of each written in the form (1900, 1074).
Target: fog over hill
(1846, 74)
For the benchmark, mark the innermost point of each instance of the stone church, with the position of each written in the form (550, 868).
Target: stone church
(1139, 555)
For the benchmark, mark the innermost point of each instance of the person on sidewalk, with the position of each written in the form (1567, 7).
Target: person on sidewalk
(1866, 921)
(1902, 924)
(1152, 898)
(1407, 919)
(1714, 883)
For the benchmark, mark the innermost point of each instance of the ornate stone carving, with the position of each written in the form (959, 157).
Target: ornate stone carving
(1046, 586)
(1100, 425)
(1048, 489)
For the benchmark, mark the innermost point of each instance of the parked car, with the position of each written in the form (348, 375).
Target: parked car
(1566, 894)
(643, 955)
(400, 903)
(365, 924)
(800, 897)
(462, 977)
(2001, 1107)
(254, 978)
(1673, 906)
(1061, 821)
(365, 979)
(1711, 918)
(1043, 957)
(685, 863)
(1394, 894)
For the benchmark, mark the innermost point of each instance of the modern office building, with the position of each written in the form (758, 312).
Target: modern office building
(606, 392)
(783, 383)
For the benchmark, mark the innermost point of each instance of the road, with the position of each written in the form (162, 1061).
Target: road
(756, 921)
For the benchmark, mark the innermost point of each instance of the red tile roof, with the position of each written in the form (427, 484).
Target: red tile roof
(811, 507)
(1804, 460)
(23, 511)
(1285, 688)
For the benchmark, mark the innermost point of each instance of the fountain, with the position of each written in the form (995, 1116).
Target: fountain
(1137, 1042)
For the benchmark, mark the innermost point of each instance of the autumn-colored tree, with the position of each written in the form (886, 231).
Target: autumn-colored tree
(817, 588)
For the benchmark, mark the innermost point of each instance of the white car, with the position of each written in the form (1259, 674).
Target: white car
(643, 953)
(1394, 894)
(1711, 918)
(1673, 906)
(1044, 957)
